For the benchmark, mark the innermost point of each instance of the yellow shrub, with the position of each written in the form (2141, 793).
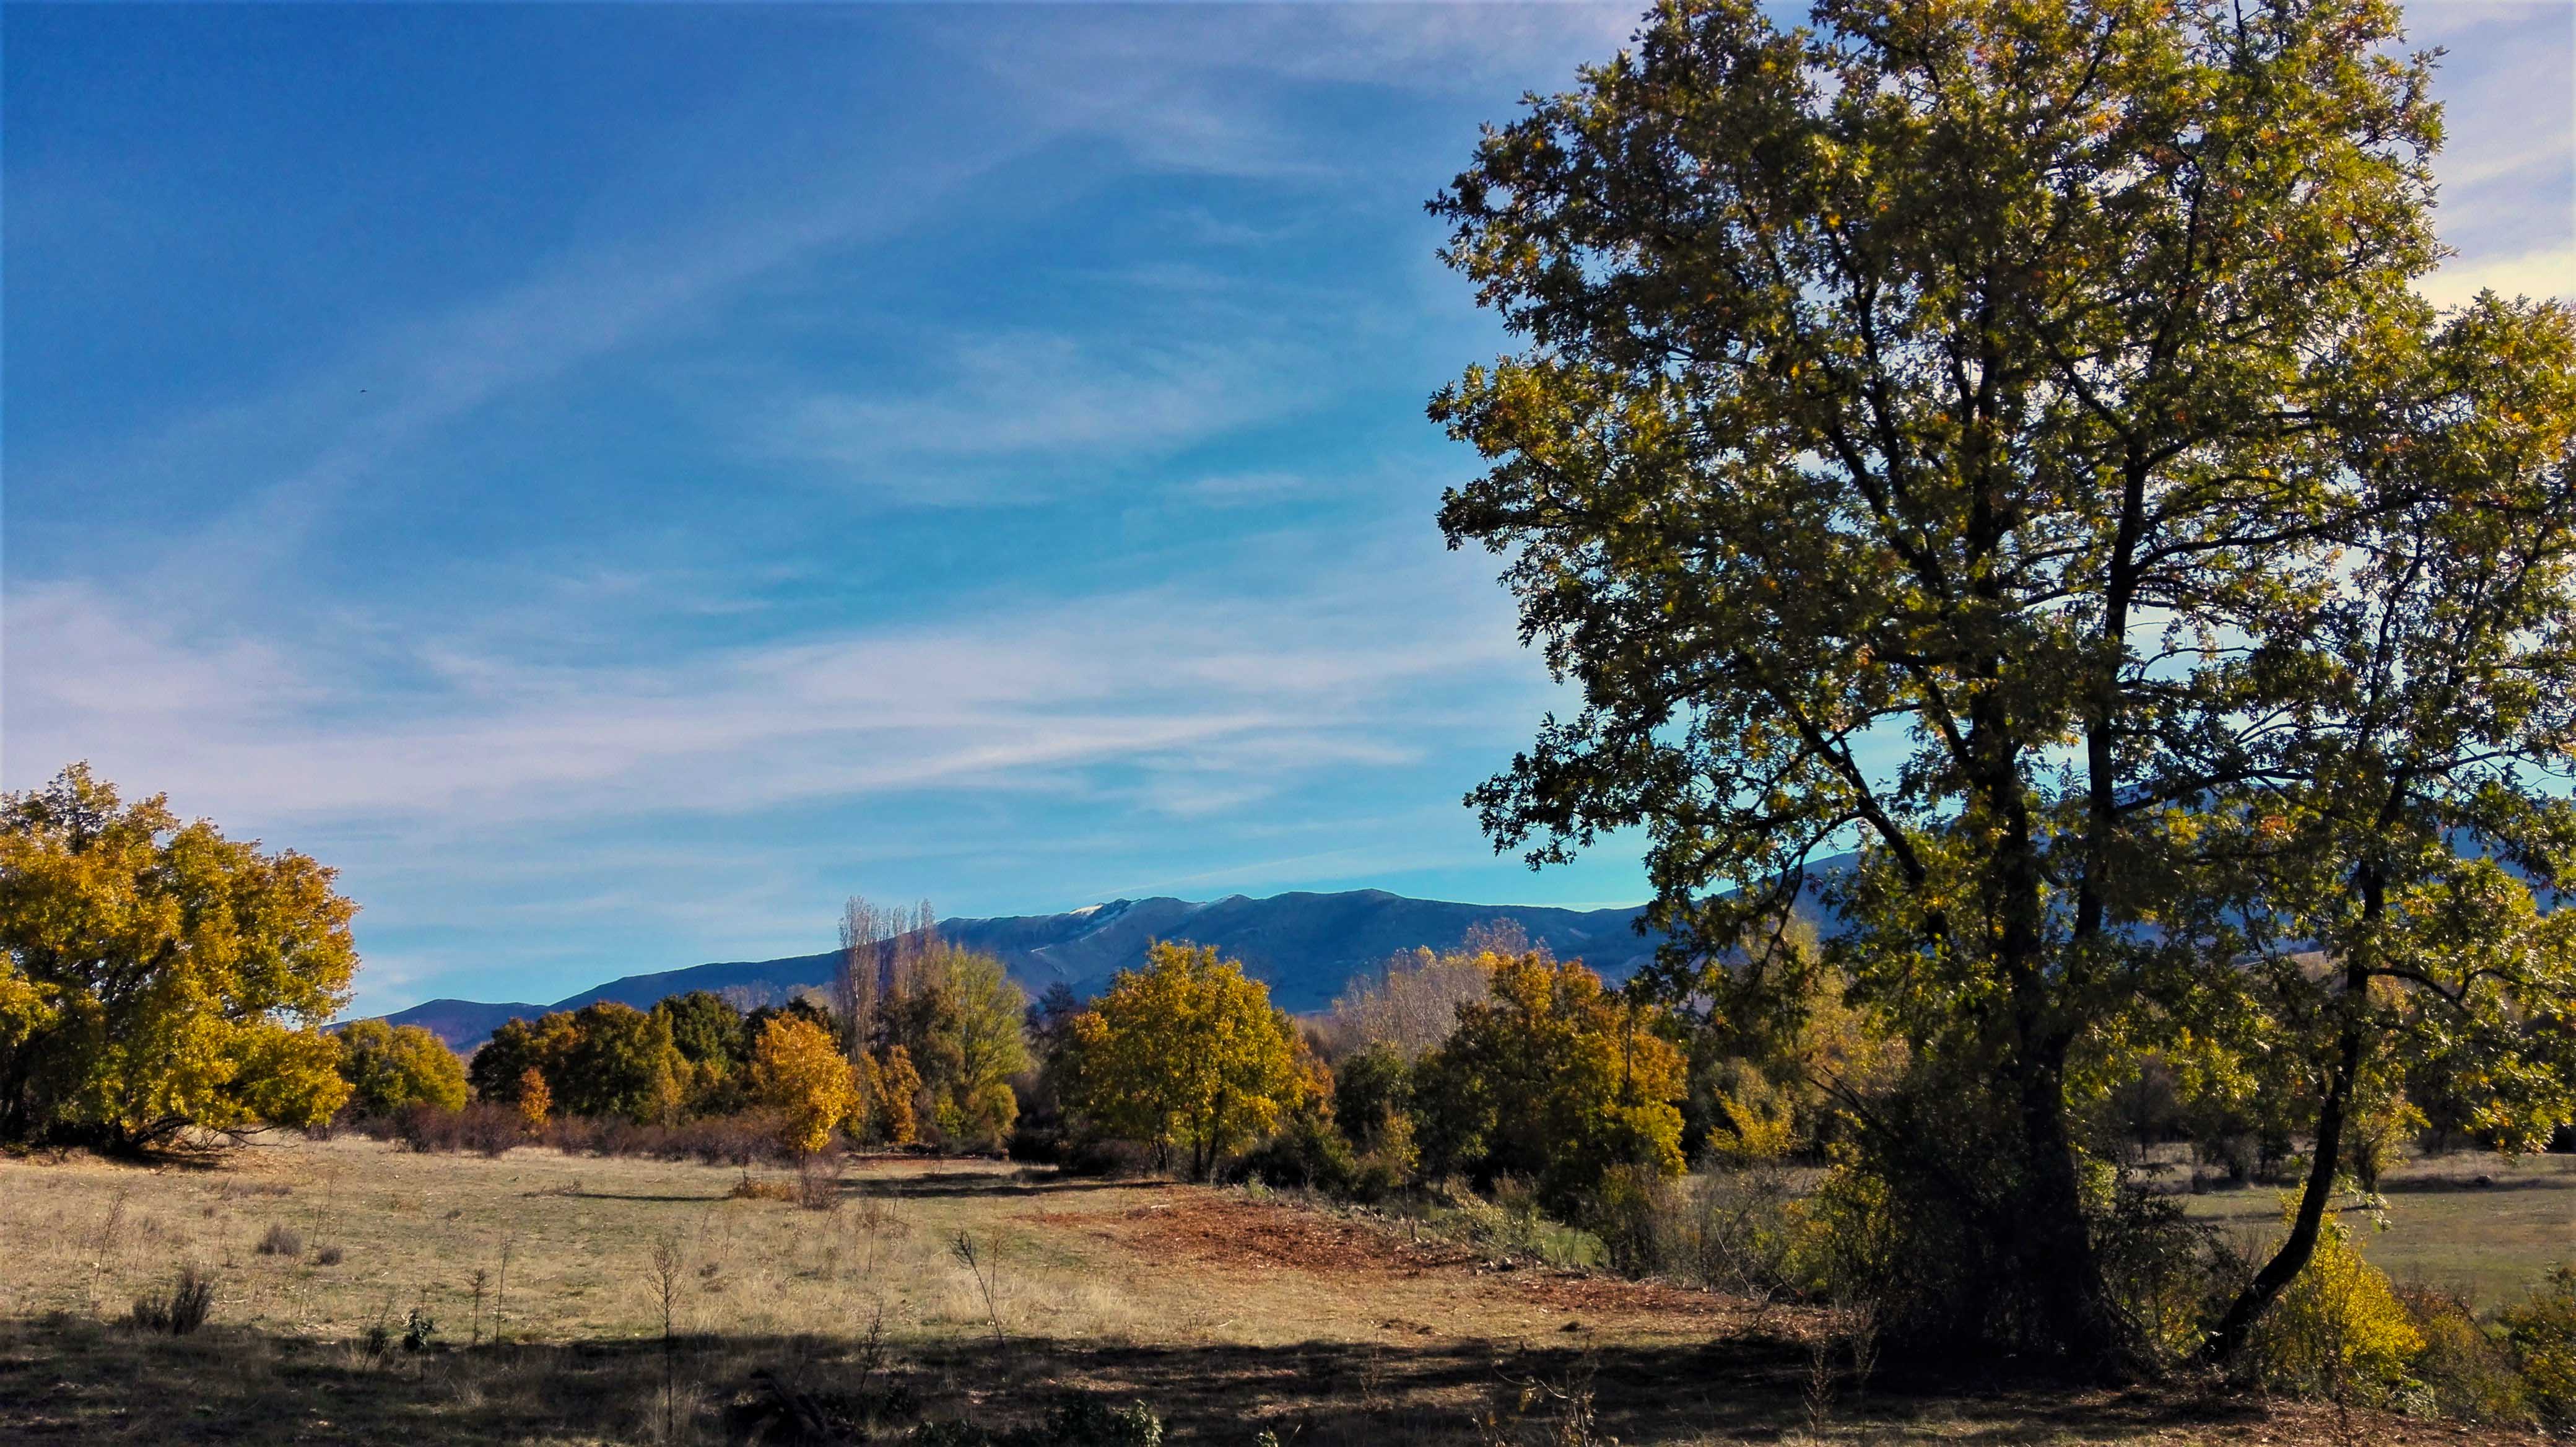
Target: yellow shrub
(1757, 1122)
(2339, 1328)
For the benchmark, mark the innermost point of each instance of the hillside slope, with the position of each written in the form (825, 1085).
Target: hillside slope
(1307, 947)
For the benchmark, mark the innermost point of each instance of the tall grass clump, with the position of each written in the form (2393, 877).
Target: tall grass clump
(179, 1308)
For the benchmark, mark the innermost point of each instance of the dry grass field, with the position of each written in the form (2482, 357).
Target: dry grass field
(546, 1279)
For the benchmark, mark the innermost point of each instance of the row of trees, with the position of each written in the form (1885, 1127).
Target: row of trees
(935, 1064)
(159, 978)
(1476, 1064)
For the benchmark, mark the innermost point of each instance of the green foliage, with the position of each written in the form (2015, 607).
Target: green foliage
(1508, 1221)
(1307, 1153)
(2041, 386)
(2541, 1330)
(499, 1070)
(158, 976)
(391, 1066)
(1372, 1095)
(604, 1059)
(619, 1061)
(704, 1029)
(1552, 1079)
(957, 1017)
(1187, 1052)
(714, 1049)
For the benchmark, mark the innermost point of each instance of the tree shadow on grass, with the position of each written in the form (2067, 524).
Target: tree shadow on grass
(2467, 1185)
(952, 1184)
(75, 1380)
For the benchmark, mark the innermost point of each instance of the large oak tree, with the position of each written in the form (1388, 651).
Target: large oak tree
(159, 977)
(1990, 435)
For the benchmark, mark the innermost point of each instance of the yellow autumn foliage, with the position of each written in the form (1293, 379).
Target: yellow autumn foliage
(157, 977)
(1552, 1078)
(1186, 1051)
(799, 1073)
(2338, 1328)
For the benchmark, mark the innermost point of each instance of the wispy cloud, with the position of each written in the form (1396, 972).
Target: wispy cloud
(1036, 395)
(1233, 697)
(2538, 275)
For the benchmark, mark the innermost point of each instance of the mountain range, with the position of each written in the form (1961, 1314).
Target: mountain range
(1306, 947)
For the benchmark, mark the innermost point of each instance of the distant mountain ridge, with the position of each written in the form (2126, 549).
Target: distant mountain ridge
(1306, 947)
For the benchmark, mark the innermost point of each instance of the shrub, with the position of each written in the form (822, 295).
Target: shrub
(748, 1189)
(2464, 1371)
(743, 1139)
(2541, 1332)
(1510, 1225)
(1040, 1145)
(1738, 1230)
(2338, 1329)
(1109, 1159)
(327, 1256)
(282, 1240)
(1636, 1212)
(818, 1184)
(483, 1127)
(1305, 1154)
(179, 1308)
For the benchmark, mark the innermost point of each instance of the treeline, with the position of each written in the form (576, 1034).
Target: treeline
(931, 1065)
(1489, 1062)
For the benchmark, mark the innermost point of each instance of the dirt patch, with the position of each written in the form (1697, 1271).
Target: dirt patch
(1230, 1231)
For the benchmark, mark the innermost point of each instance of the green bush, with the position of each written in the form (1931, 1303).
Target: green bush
(1305, 1154)
(1734, 1228)
(1510, 1225)
(2541, 1332)
(2466, 1370)
(1637, 1214)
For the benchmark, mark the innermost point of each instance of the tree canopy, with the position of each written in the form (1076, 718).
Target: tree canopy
(2001, 440)
(392, 1066)
(798, 1071)
(158, 976)
(957, 1017)
(1553, 1079)
(1185, 1051)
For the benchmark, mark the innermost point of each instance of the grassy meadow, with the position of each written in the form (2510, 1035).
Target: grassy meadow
(2471, 1224)
(545, 1278)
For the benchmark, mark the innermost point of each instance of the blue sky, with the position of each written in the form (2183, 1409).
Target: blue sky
(616, 480)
